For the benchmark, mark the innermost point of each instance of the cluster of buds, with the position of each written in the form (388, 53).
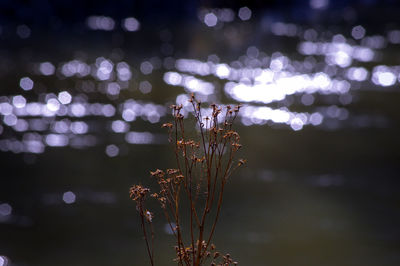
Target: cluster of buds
(234, 110)
(161, 199)
(226, 261)
(187, 252)
(190, 143)
(168, 182)
(182, 254)
(176, 111)
(138, 193)
(173, 176)
(218, 260)
(230, 134)
(186, 146)
(215, 110)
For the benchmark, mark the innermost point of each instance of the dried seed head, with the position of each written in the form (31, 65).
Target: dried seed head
(178, 179)
(157, 173)
(241, 162)
(237, 108)
(191, 98)
(172, 171)
(167, 125)
(163, 202)
(236, 146)
(138, 193)
(202, 159)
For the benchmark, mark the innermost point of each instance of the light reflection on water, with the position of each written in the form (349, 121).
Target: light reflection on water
(4, 261)
(327, 67)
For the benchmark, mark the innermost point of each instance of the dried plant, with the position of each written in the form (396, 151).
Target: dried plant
(198, 183)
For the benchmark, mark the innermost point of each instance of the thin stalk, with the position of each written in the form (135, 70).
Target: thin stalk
(145, 236)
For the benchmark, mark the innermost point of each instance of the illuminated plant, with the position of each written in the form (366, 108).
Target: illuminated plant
(197, 184)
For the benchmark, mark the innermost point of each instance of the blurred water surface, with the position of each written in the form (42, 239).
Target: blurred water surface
(80, 118)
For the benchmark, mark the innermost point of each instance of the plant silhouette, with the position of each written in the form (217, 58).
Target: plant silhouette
(203, 168)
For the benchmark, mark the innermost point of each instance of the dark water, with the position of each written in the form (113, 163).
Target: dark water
(80, 122)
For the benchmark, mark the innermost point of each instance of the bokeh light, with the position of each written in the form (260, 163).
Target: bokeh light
(69, 197)
(131, 24)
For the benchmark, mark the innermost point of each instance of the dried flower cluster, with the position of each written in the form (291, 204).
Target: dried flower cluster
(203, 169)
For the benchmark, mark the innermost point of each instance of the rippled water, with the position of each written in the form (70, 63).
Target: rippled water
(80, 117)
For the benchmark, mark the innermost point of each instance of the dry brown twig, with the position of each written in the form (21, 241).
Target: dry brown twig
(203, 169)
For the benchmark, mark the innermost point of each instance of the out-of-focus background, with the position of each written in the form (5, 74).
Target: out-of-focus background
(86, 85)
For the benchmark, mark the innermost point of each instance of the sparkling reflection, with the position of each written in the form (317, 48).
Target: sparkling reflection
(69, 197)
(358, 32)
(64, 97)
(319, 4)
(119, 126)
(5, 211)
(131, 24)
(271, 84)
(4, 261)
(100, 23)
(210, 19)
(75, 68)
(56, 140)
(23, 31)
(112, 150)
(47, 68)
(244, 13)
(26, 83)
(140, 137)
(384, 76)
